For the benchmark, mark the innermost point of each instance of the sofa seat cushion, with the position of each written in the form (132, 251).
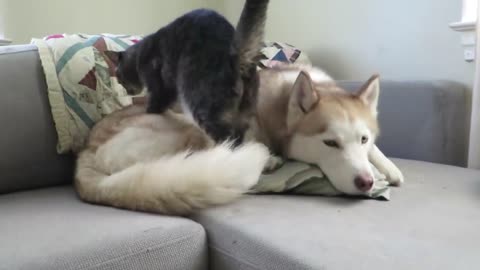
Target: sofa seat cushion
(431, 222)
(52, 229)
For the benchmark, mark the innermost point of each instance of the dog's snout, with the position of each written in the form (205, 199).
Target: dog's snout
(363, 182)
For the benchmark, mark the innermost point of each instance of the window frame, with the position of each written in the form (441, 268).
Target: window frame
(467, 27)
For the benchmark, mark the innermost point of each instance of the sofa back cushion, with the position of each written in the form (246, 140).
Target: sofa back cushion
(422, 120)
(28, 139)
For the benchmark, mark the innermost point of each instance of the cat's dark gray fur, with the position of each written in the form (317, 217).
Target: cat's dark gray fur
(203, 62)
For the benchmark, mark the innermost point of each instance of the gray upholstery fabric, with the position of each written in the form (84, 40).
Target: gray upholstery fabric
(430, 223)
(28, 138)
(422, 120)
(51, 229)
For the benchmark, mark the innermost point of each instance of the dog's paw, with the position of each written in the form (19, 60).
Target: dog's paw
(273, 163)
(394, 176)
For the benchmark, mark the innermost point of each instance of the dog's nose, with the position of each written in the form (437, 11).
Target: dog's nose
(363, 182)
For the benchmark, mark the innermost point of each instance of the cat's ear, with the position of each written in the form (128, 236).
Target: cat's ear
(115, 57)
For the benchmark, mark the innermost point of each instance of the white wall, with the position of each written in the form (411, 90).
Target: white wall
(25, 19)
(2, 11)
(351, 39)
(218, 5)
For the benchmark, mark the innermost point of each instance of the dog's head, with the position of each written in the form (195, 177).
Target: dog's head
(335, 130)
(126, 70)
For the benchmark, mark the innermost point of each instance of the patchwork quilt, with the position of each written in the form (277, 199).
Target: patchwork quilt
(82, 87)
(274, 53)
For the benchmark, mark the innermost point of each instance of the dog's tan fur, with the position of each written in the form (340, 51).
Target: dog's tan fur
(166, 164)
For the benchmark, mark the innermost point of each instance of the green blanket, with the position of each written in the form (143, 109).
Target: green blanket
(301, 178)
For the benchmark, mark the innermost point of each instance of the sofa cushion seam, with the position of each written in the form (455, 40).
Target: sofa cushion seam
(228, 254)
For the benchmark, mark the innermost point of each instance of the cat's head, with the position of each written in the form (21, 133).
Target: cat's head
(126, 70)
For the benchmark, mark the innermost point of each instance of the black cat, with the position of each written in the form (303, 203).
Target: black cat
(205, 64)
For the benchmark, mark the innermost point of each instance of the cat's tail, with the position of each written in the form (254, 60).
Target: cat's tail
(174, 185)
(250, 32)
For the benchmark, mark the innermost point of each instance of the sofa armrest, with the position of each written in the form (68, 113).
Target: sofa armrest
(422, 120)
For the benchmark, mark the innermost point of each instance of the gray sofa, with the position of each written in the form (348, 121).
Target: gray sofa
(432, 222)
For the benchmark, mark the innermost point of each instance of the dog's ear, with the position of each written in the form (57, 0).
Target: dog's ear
(115, 57)
(370, 92)
(302, 99)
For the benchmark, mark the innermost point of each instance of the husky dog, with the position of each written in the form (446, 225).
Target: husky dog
(165, 163)
(303, 115)
(203, 62)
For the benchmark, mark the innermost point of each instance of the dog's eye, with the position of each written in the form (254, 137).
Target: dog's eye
(364, 139)
(331, 143)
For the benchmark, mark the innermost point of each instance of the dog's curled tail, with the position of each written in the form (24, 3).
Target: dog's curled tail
(174, 185)
(250, 31)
